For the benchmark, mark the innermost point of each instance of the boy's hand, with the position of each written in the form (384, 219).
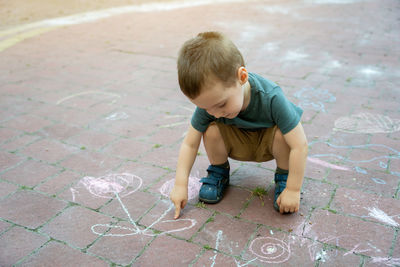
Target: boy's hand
(179, 196)
(288, 201)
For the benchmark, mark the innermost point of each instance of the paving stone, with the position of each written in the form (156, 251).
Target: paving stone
(8, 134)
(125, 248)
(8, 160)
(233, 202)
(161, 218)
(79, 193)
(30, 173)
(14, 245)
(252, 177)
(74, 226)
(28, 123)
(226, 234)
(91, 140)
(127, 149)
(60, 131)
(367, 179)
(160, 251)
(266, 214)
(91, 163)
(213, 258)
(19, 142)
(7, 188)
(32, 210)
(367, 238)
(137, 204)
(57, 254)
(58, 183)
(49, 151)
(4, 226)
(315, 194)
(369, 206)
(162, 157)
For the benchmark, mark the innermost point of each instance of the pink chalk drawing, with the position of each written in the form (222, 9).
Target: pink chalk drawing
(270, 250)
(121, 185)
(193, 187)
(327, 164)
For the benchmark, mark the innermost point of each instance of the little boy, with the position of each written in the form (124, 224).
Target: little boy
(239, 115)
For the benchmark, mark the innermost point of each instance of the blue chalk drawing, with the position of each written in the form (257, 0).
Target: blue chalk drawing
(384, 153)
(314, 99)
(382, 165)
(391, 152)
(361, 170)
(378, 181)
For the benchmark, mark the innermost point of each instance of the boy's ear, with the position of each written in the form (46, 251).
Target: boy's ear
(243, 75)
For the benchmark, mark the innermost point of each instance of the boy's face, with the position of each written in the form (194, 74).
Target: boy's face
(221, 101)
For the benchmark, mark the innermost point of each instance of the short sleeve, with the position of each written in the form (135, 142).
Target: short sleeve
(201, 119)
(285, 114)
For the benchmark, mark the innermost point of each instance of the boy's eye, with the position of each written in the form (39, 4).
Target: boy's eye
(223, 105)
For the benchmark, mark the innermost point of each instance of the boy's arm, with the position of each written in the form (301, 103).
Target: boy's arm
(289, 200)
(187, 156)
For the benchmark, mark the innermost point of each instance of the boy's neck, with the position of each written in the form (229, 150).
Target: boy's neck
(247, 95)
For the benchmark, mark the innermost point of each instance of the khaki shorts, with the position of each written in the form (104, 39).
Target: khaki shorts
(245, 145)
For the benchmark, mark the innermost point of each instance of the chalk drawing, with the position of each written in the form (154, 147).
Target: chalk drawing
(328, 165)
(381, 216)
(314, 99)
(361, 170)
(386, 261)
(378, 181)
(369, 71)
(183, 118)
(367, 123)
(120, 185)
(354, 250)
(270, 250)
(107, 186)
(117, 116)
(294, 56)
(87, 93)
(388, 153)
(219, 238)
(193, 187)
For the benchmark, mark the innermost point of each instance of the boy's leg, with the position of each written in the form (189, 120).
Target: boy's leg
(280, 151)
(214, 145)
(217, 179)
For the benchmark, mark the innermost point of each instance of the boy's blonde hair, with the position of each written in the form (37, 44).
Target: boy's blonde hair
(209, 54)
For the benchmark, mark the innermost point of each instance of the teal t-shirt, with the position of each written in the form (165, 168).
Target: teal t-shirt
(268, 107)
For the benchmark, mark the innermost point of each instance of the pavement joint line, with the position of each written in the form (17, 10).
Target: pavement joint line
(31, 253)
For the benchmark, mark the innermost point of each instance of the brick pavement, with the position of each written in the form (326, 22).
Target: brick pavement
(91, 119)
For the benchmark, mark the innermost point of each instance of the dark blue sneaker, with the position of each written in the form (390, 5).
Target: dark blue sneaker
(214, 185)
(280, 185)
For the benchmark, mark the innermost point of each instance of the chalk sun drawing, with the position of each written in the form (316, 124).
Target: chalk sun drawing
(314, 99)
(367, 123)
(270, 250)
(124, 184)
